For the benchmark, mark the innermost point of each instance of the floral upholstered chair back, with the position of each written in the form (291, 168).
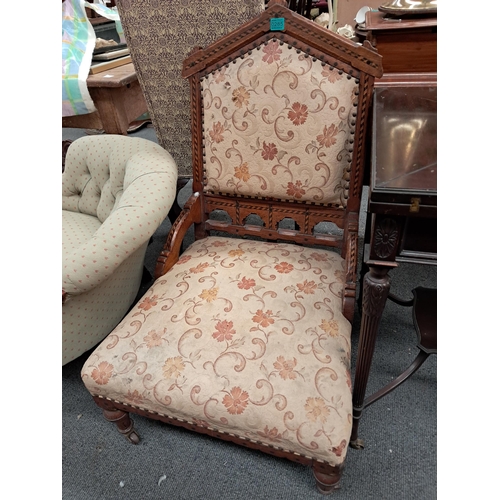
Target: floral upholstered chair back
(279, 121)
(279, 124)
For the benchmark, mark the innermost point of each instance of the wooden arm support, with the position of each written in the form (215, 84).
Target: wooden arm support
(190, 214)
(351, 258)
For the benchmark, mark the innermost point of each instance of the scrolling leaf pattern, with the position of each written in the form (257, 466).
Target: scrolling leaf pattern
(242, 336)
(279, 124)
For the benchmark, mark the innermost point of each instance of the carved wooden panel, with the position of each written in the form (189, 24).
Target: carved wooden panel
(386, 236)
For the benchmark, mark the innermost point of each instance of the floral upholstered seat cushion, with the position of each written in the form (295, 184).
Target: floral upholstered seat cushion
(243, 337)
(279, 123)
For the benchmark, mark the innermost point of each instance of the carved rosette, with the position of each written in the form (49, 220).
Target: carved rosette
(385, 238)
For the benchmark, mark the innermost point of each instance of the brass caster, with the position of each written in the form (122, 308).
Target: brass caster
(133, 437)
(357, 444)
(326, 489)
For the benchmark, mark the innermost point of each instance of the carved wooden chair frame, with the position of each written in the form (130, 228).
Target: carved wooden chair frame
(359, 62)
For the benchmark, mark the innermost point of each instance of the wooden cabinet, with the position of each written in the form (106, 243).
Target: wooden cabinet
(408, 45)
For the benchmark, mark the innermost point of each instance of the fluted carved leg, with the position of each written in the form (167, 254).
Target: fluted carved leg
(327, 480)
(376, 285)
(124, 423)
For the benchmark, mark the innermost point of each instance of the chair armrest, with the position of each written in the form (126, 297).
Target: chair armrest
(351, 260)
(142, 208)
(191, 214)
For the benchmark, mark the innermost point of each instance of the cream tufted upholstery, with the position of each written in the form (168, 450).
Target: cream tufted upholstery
(116, 191)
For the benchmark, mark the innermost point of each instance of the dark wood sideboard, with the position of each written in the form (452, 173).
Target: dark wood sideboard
(402, 181)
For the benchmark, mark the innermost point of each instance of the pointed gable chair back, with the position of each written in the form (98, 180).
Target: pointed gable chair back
(245, 336)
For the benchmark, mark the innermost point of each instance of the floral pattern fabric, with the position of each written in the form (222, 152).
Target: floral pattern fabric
(279, 124)
(240, 336)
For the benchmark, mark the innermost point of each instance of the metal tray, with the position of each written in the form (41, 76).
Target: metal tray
(406, 8)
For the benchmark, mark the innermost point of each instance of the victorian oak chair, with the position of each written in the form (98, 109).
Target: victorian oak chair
(245, 336)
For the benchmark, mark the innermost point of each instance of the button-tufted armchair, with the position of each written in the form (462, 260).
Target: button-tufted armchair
(116, 191)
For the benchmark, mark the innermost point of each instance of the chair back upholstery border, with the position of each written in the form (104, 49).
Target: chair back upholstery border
(251, 92)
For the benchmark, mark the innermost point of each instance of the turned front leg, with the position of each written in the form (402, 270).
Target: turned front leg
(124, 423)
(376, 285)
(327, 477)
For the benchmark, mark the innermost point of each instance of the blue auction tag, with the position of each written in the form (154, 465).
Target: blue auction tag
(277, 24)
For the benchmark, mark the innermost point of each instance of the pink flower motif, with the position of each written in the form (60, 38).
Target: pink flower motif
(338, 450)
(270, 434)
(295, 190)
(307, 287)
(263, 318)
(284, 267)
(199, 268)
(316, 410)
(327, 138)
(269, 151)
(102, 373)
(216, 132)
(153, 338)
(241, 97)
(332, 74)
(183, 259)
(220, 75)
(320, 257)
(148, 302)
(286, 367)
(236, 401)
(200, 423)
(135, 397)
(272, 52)
(298, 114)
(246, 284)
(225, 331)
